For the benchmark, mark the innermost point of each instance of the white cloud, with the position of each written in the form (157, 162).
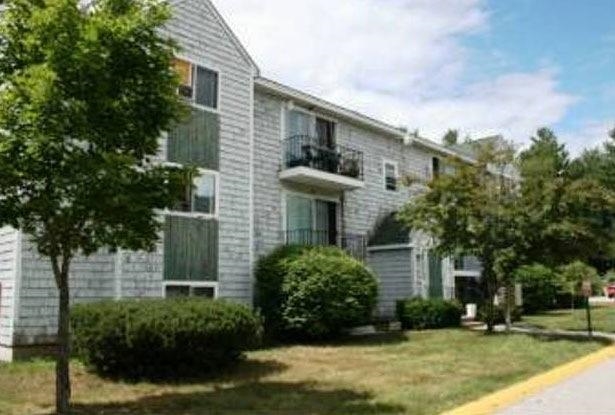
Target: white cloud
(590, 134)
(402, 61)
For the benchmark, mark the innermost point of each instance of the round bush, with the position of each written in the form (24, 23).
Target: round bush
(433, 313)
(270, 272)
(156, 339)
(324, 293)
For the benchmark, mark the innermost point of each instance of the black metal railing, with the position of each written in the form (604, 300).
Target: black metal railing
(354, 244)
(307, 151)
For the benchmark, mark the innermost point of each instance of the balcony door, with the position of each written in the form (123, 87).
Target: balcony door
(310, 221)
(325, 133)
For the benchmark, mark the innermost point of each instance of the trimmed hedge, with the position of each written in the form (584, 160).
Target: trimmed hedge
(419, 313)
(157, 339)
(313, 292)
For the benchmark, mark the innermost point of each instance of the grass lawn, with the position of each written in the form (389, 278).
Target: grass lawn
(411, 373)
(603, 319)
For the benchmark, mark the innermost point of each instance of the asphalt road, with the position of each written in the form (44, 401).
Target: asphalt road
(590, 392)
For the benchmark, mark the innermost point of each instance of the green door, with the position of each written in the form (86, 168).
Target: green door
(435, 276)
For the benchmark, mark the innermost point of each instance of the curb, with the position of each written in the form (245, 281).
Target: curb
(512, 394)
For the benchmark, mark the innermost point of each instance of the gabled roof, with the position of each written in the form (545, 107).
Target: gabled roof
(229, 32)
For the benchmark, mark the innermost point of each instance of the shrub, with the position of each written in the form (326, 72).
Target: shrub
(270, 273)
(325, 292)
(575, 273)
(156, 339)
(540, 287)
(420, 313)
(609, 277)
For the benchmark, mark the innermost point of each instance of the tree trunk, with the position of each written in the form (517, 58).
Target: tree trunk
(489, 303)
(509, 304)
(63, 348)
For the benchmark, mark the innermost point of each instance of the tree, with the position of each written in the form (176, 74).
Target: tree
(474, 211)
(450, 138)
(546, 215)
(85, 95)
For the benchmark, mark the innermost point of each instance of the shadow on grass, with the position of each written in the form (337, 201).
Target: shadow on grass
(245, 370)
(249, 398)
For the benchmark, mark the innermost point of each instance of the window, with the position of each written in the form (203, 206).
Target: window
(179, 290)
(390, 176)
(197, 84)
(200, 195)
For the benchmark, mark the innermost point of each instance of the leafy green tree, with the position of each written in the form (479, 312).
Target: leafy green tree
(546, 215)
(475, 211)
(85, 93)
(450, 138)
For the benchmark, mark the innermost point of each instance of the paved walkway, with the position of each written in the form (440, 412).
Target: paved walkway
(590, 392)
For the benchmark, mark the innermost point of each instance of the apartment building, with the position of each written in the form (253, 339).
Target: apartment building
(276, 166)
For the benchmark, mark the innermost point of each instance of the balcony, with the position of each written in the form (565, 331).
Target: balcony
(354, 244)
(308, 162)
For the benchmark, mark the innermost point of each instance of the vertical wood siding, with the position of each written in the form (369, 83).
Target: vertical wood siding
(196, 141)
(190, 249)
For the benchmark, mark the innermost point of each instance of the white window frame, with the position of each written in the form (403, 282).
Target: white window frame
(384, 174)
(190, 284)
(199, 215)
(209, 66)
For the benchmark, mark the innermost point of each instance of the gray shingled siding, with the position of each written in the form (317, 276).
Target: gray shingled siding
(363, 207)
(267, 162)
(7, 281)
(204, 40)
(91, 279)
(393, 269)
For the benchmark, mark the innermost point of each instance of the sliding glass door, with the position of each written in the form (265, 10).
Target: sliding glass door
(310, 221)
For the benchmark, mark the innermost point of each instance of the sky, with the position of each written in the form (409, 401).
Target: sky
(480, 66)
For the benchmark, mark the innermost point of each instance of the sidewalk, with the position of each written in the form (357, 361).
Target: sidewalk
(590, 392)
(583, 386)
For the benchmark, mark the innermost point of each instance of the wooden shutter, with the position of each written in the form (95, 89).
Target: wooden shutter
(196, 141)
(190, 249)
